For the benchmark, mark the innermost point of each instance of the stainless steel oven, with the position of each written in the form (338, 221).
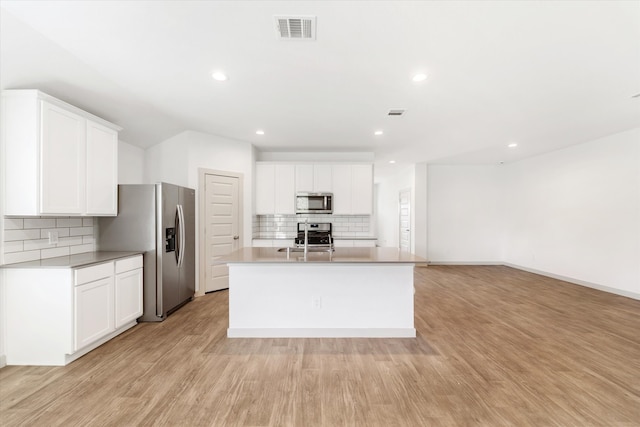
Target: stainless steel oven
(309, 203)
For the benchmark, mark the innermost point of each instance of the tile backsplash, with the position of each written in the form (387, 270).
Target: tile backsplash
(27, 238)
(286, 226)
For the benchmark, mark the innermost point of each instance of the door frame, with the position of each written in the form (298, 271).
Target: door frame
(399, 229)
(201, 237)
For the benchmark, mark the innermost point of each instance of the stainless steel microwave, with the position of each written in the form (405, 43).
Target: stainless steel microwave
(309, 203)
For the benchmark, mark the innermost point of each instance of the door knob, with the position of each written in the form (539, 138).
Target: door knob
(236, 237)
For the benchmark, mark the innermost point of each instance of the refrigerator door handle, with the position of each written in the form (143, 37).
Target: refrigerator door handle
(178, 233)
(181, 239)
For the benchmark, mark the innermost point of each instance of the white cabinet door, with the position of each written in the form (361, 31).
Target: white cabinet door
(93, 311)
(284, 202)
(275, 189)
(322, 181)
(362, 189)
(128, 297)
(58, 159)
(265, 189)
(102, 170)
(62, 167)
(313, 178)
(304, 178)
(341, 189)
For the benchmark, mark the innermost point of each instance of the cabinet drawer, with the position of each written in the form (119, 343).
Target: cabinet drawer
(128, 264)
(93, 273)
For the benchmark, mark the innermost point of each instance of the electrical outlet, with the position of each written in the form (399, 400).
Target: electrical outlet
(316, 302)
(53, 237)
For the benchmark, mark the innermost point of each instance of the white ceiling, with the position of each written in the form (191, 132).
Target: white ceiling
(542, 74)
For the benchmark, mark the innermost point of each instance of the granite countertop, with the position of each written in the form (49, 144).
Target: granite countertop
(73, 261)
(339, 256)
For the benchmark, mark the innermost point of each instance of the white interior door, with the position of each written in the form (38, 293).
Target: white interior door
(222, 227)
(404, 233)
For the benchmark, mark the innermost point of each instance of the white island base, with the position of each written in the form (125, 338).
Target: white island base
(312, 300)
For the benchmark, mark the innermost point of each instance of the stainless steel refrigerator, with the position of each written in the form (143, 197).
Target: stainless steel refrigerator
(158, 219)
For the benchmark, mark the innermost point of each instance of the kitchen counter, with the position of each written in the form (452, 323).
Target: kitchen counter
(352, 292)
(73, 261)
(334, 238)
(340, 255)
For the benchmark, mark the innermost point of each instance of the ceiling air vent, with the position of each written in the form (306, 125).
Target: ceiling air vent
(396, 112)
(296, 27)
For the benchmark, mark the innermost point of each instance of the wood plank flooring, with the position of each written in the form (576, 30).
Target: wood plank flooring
(495, 347)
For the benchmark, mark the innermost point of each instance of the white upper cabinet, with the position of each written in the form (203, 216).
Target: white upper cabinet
(304, 178)
(342, 190)
(62, 165)
(312, 178)
(285, 189)
(59, 160)
(322, 181)
(265, 189)
(275, 189)
(353, 189)
(351, 185)
(102, 169)
(362, 189)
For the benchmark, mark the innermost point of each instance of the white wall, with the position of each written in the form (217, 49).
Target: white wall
(168, 161)
(178, 160)
(465, 218)
(214, 152)
(420, 210)
(572, 213)
(130, 164)
(576, 212)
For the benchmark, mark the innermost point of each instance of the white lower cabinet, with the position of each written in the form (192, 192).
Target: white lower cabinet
(128, 291)
(93, 312)
(55, 315)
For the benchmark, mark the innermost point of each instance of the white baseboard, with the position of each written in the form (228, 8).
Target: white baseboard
(321, 333)
(603, 288)
(466, 263)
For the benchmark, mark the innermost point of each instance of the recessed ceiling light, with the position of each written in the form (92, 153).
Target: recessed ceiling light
(259, 132)
(392, 161)
(219, 76)
(378, 132)
(419, 77)
(512, 145)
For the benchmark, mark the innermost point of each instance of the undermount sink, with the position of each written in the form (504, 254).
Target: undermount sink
(311, 249)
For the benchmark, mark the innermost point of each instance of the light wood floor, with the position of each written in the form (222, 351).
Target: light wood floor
(495, 347)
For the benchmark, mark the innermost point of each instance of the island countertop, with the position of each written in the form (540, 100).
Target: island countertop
(376, 255)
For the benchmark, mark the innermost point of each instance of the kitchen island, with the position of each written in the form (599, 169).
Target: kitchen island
(349, 292)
